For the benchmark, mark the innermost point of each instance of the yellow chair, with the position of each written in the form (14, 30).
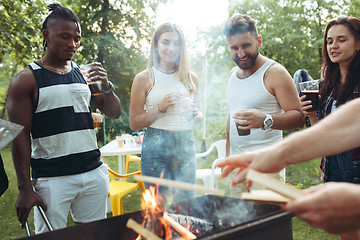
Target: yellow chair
(131, 158)
(118, 189)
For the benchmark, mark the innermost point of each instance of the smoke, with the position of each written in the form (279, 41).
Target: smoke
(224, 212)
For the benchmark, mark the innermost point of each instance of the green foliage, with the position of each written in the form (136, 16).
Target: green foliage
(289, 28)
(9, 225)
(20, 29)
(20, 39)
(353, 7)
(292, 30)
(302, 231)
(304, 175)
(8, 68)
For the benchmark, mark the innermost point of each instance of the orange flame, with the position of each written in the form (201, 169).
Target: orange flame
(152, 205)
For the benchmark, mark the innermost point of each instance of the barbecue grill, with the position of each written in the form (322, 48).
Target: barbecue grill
(232, 218)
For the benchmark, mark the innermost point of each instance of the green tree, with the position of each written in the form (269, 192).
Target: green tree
(287, 28)
(353, 7)
(293, 29)
(19, 40)
(20, 32)
(8, 68)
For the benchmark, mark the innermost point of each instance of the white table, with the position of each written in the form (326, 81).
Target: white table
(112, 149)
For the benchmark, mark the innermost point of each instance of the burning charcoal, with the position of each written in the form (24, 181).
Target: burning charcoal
(153, 214)
(153, 221)
(197, 226)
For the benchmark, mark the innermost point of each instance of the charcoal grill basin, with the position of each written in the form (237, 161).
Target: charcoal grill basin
(232, 218)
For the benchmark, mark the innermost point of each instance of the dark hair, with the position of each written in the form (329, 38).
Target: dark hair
(59, 12)
(331, 70)
(240, 23)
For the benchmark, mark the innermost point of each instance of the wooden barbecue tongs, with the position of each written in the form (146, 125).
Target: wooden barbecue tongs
(277, 193)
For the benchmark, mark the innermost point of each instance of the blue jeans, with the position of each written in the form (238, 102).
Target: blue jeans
(342, 168)
(171, 154)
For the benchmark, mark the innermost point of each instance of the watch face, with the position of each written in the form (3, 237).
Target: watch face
(268, 122)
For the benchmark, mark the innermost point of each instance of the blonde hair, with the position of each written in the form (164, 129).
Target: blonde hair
(182, 67)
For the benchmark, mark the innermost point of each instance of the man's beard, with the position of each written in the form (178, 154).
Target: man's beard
(249, 63)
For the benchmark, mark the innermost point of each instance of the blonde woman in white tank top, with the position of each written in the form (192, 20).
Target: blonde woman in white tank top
(165, 101)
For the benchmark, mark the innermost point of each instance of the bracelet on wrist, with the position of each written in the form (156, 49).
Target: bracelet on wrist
(160, 109)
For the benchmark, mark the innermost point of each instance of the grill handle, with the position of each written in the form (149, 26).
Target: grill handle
(46, 220)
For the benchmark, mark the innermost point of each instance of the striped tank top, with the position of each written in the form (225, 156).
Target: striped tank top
(63, 137)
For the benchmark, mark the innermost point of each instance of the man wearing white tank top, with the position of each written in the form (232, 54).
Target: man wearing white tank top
(261, 95)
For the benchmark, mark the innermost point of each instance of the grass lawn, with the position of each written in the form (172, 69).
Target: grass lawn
(302, 175)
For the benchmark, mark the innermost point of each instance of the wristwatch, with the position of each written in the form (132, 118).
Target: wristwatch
(110, 89)
(268, 122)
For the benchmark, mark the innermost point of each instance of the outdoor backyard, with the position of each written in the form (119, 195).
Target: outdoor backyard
(117, 34)
(301, 175)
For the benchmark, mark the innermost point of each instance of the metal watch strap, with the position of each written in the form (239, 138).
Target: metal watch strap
(110, 89)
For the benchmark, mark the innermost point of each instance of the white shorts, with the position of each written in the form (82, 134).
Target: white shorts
(84, 195)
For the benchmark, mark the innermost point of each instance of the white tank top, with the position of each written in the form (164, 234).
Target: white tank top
(251, 93)
(164, 83)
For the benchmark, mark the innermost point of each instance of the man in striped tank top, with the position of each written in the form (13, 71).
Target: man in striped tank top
(51, 99)
(260, 93)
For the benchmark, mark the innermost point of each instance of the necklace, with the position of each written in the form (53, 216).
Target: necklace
(56, 69)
